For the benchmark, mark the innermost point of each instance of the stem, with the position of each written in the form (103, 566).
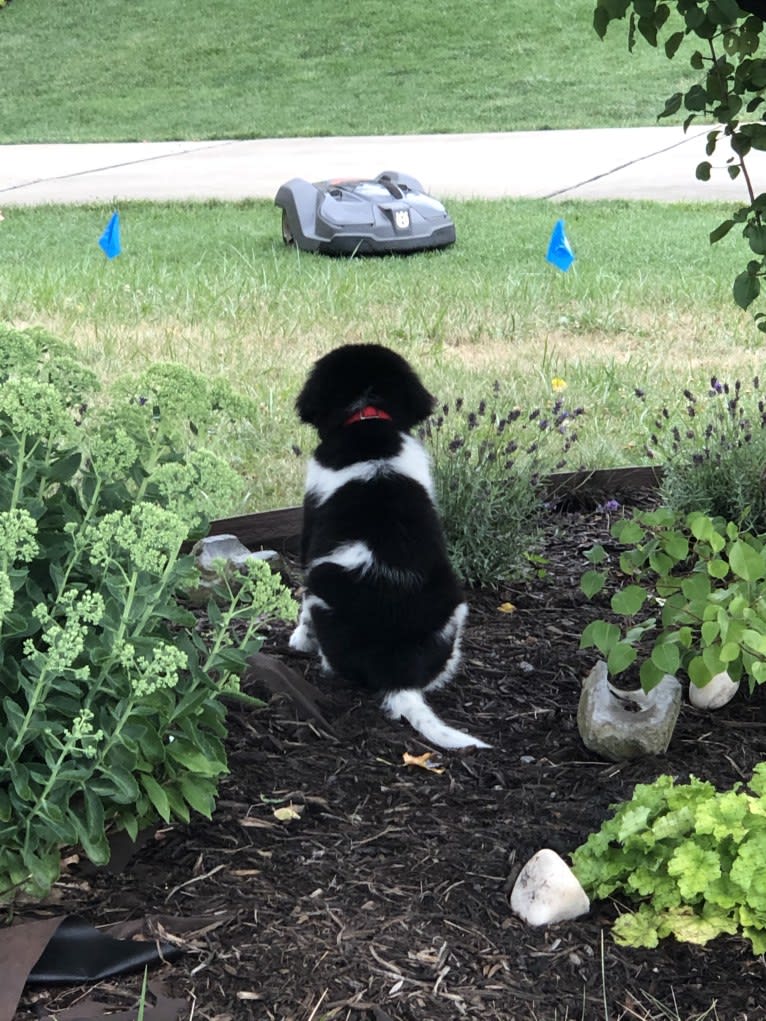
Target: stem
(41, 689)
(35, 811)
(726, 93)
(79, 547)
(226, 620)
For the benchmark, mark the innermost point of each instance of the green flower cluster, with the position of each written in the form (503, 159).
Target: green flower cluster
(110, 694)
(18, 531)
(147, 537)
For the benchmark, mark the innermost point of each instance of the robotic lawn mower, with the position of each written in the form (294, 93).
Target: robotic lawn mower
(391, 213)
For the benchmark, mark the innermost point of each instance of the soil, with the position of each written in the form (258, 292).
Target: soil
(386, 897)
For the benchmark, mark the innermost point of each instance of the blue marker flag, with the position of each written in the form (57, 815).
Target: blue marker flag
(559, 250)
(110, 239)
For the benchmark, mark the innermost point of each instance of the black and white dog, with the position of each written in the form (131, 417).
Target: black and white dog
(382, 606)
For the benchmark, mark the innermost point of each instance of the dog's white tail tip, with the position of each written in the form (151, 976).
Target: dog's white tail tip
(411, 705)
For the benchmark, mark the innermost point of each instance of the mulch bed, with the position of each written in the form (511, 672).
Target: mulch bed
(387, 897)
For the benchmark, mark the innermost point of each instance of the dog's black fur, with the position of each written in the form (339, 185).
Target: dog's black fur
(382, 606)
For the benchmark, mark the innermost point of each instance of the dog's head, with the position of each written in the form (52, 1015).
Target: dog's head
(356, 375)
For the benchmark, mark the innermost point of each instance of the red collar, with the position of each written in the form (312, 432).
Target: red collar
(370, 411)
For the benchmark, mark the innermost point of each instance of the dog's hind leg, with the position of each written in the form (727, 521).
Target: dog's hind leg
(451, 632)
(411, 705)
(303, 638)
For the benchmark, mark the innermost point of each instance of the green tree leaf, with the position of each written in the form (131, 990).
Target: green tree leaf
(629, 600)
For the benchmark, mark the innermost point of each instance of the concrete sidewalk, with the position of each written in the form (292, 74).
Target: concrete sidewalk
(655, 163)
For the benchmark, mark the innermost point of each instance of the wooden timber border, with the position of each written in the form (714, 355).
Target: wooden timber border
(281, 529)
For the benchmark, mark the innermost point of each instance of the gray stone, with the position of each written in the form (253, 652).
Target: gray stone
(229, 549)
(547, 891)
(219, 558)
(626, 724)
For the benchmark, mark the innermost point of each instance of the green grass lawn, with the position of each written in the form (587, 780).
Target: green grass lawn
(104, 70)
(647, 304)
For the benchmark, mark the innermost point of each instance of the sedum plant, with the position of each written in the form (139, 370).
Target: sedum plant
(110, 694)
(694, 598)
(487, 466)
(692, 856)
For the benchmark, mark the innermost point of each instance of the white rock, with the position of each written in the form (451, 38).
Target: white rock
(719, 690)
(547, 891)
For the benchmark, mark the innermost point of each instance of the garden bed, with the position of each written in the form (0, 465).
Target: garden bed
(386, 895)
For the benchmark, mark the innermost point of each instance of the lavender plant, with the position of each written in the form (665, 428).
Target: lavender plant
(488, 463)
(110, 696)
(712, 447)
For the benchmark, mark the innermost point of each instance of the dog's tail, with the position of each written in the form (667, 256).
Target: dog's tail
(411, 705)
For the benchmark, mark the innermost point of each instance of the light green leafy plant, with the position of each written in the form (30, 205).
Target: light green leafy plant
(695, 598)
(692, 856)
(110, 692)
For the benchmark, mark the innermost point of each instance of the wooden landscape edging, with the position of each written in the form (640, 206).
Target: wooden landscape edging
(281, 529)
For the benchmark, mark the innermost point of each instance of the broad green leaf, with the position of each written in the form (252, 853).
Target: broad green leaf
(666, 658)
(661, 563)
(746, 289)
(620, 657)
(702, 173)
(755, 640)
(690, 927)
(200, 794)
(628, 532)
(650, 675)
(676, 545)
(637, 930)
(699, 672)
(178, 805)
(721, 231)
(194, 760)
(717, 568)
(696, 587)
(596, 554)
(157, 796)
(711, 656)
(710, 631)
(592, 583)
(746, 562)
(729, 652)
(602, 634)
(693, 867)
(628, 601)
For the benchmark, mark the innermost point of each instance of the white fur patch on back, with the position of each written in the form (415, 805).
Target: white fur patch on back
(411, 461)
(351, 556)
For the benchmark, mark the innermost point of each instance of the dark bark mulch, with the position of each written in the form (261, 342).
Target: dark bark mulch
(386, 897)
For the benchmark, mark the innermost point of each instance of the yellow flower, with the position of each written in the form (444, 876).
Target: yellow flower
(558, 384)
(506, 608)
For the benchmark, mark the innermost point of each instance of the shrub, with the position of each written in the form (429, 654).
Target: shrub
(111, 713)
(692, 854)
(713, 451)
(487, 468)
(694, 596)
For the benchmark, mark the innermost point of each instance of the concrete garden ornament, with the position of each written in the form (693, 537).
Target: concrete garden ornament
(620, 724)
